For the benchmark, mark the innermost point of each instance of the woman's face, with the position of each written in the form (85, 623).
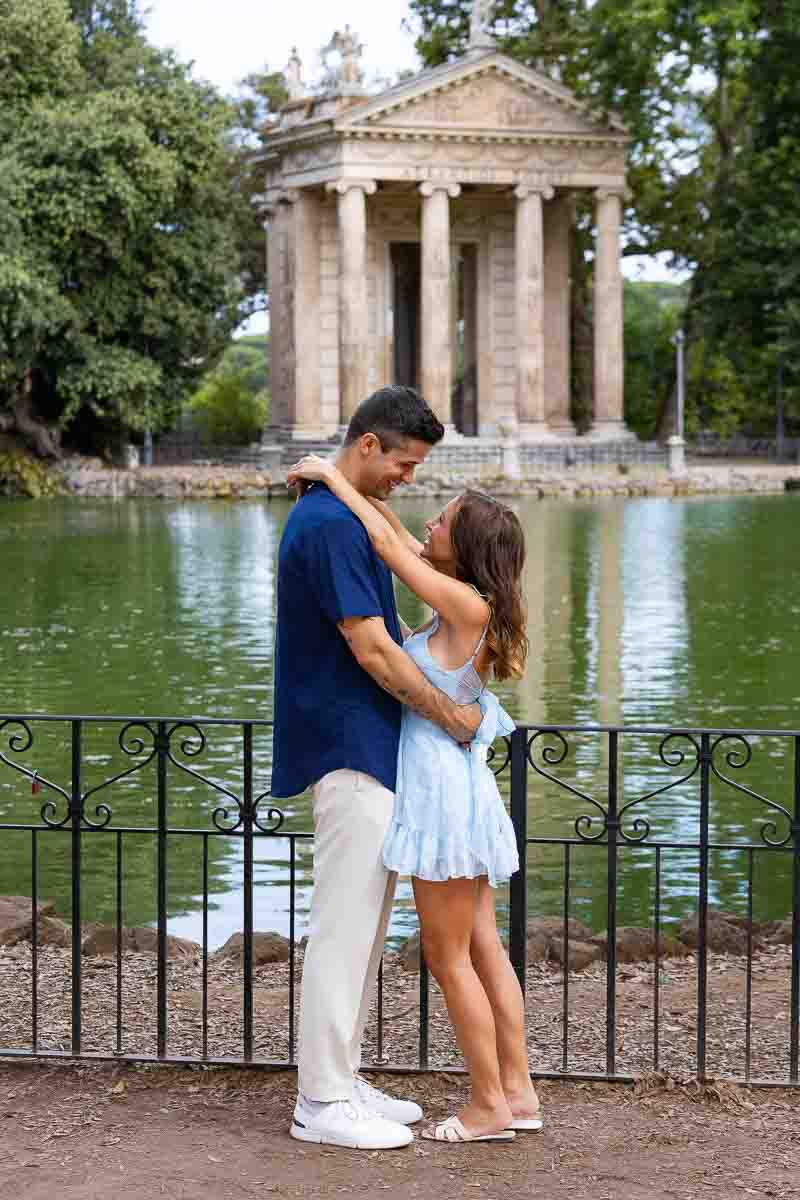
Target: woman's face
(438, 547)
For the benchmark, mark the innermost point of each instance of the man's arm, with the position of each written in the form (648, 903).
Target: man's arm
(394, 671)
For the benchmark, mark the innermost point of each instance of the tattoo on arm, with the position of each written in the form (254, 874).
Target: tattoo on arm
(395, 673)
(459, 721)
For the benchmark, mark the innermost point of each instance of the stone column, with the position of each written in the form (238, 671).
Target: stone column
(609, 417)
(353, 311)
(529, 293)
(557, 228)
(436, 329)
(280, 283)
(306, 317)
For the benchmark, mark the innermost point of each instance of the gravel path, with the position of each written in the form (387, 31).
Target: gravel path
(726, 1028)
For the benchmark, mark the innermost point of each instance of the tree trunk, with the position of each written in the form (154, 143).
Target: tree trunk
(43, 439)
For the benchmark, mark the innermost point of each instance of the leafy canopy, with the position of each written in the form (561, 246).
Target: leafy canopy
(120, 278)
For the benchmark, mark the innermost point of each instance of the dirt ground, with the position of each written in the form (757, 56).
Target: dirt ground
(86, 1132)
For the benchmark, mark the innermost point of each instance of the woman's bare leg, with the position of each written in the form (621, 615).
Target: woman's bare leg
(502, 989)
(446, 913)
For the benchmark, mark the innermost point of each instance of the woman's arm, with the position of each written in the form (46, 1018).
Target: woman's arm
(397, 525)
(454, 601)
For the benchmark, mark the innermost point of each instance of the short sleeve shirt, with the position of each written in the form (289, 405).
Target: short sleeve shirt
(329, 713)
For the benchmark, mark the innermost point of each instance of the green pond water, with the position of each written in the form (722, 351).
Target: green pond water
(642, 612)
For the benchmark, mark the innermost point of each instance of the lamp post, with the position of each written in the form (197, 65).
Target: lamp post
(676, 446)
(780, 427)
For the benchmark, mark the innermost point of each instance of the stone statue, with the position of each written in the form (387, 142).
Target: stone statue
(294, 77)
(480, 19)
(348, 46)
(343, 72)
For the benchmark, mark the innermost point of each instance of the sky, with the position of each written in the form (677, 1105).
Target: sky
(228, 39)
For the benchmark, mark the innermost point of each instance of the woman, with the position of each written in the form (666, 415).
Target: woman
(450, 831)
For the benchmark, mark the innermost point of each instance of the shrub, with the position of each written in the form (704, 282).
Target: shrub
(227, 412)
(22, 475)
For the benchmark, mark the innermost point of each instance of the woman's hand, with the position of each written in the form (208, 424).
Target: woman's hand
(311, 469)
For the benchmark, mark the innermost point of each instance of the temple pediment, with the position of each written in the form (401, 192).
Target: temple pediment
(496, 95)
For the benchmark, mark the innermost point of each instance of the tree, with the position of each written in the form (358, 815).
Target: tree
(652, 314)
(681, 75)
(120, 281)
(753, 282)
(228, 411)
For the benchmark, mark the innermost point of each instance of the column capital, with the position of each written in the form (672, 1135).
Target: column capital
(621, 193)
(545, 190)
(342, 186)
(276, 197)
(432, 185)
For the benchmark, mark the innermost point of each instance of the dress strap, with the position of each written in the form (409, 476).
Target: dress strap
(479, 646)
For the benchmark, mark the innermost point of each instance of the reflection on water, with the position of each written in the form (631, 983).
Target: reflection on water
(643, 612)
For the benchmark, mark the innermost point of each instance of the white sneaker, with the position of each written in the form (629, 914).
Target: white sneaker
(347, 1123)
(405, 1112)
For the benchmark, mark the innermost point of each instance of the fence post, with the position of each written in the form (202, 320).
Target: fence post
(247, 915)
(611, 914)
(76, 815)
(794, 1003)
(162, 747)
(518, 897)
(702, 905)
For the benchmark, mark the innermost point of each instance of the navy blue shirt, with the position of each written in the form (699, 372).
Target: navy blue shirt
(329, 713)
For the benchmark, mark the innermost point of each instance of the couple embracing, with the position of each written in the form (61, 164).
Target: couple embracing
(391, 730)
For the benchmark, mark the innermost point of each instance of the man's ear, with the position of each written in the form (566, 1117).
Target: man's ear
(368, 443)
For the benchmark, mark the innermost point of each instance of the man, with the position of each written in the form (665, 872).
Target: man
(341, 679)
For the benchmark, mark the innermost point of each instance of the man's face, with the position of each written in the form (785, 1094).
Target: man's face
(384, 470)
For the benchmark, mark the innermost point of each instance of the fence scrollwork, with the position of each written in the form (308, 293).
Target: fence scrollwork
(554, 756)
(738, 757)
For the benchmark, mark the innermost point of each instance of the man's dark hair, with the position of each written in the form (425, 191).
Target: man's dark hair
(394, 414)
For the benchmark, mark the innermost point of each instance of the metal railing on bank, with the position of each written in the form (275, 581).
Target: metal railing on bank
(219, 825)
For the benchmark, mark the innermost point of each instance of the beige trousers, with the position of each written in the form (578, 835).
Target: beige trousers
(350, 907)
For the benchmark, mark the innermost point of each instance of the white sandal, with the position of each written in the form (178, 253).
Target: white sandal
(528, 1124)
(452, 1130)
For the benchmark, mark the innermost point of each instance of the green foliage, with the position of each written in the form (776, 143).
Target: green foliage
(227, 411)
(248, 356)
(718, 396)
(710, 92)
(23, 475)
(652, 315)
(120, 279)
(752, 290)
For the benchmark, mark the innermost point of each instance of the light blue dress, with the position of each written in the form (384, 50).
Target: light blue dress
(449, 821)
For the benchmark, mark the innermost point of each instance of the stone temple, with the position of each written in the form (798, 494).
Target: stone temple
(422, 236)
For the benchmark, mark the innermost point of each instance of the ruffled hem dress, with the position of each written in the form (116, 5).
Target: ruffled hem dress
(449, 820)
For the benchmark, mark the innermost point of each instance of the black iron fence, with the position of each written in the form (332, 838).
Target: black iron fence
(116, 831)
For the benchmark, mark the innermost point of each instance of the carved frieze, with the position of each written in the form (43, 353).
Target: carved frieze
(307, 158)
(490, 101)
(572, 163)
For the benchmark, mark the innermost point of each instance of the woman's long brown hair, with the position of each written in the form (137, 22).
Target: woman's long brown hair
(489, 548)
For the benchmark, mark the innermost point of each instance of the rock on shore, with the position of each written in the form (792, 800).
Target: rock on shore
(90, 479)
(726, 933)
